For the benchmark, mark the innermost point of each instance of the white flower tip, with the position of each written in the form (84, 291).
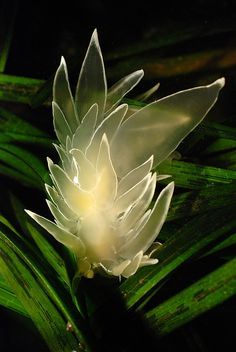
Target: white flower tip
(140, 72)
(219, 82)
(54, 104)
(104, 139)
(171, 187)
(50, 162)
(94, 37)
(30, 213)
(63, 62)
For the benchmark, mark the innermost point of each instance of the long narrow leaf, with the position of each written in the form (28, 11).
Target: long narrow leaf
(188, 241)
(192, 203)
(193, 176)
(42, 302)
(203, 295)
(7, 18)
(14, 128)
(24, 162)
(18, 89)
(9, 300)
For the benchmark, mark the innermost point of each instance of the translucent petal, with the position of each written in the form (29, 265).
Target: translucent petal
(134, 176)
(92, 85)
(144, 239)
(61, 220)
(61, 127)
(140, 207)
(133, 266)
(60, 203)
(67, 161)
(62, 236)
(159, 127)
(109, 126)
(118, 269)
(142, 221)
(85, 131)
(78, 200)
(121, 88)
(106, 188)
(128, 199)
(87, 172)
(63, 97)
(148, 261)
(146, 95)
(162, 177)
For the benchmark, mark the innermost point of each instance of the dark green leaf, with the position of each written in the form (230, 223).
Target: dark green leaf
(9, 300)
(22, 161)
(194, 176)
(41, 301)
(191, 203)
(203, 295)
(18, 89)
(187, 242)
(7, 18)
(14, 128)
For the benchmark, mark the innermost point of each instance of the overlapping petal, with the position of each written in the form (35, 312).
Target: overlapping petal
(102, 189)
(159, 127)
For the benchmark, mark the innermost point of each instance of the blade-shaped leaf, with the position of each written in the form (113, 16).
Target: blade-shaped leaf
(9, 300)
(18, 89)
(23, 161)
(198, 298)
(44, 314)
(192, 203)
(14, 128)
(194, 176)
(188, 241)
(49, 311)
(8, 12)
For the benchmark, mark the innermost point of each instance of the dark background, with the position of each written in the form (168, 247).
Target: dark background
(46, 30)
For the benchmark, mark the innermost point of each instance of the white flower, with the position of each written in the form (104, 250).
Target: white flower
(101, 193)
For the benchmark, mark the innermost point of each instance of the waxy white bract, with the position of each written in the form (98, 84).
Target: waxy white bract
(102, 189)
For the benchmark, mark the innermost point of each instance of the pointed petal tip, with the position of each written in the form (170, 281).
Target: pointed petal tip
(141, 72)
(171, 186)
(30, 213)
(104, 139)
(49, 161)
(94, 37)
(219, 82)
(63, 61)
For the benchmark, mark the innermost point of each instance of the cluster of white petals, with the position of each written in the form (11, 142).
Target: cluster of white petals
(103, 186)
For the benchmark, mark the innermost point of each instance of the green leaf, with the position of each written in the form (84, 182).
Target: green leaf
(9, 300)
(198, 298)
(8, 12)
(194, 176)
(224, 159)
(172, 33)
(49, 253)
(185, 243)
(24, 162)
(208, 138)
(209, 198)
(228, 242)
(14, 128)
(50, 309)
(18, 89)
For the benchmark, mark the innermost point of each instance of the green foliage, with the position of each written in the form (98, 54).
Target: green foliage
(37, 274)
(198, 298)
